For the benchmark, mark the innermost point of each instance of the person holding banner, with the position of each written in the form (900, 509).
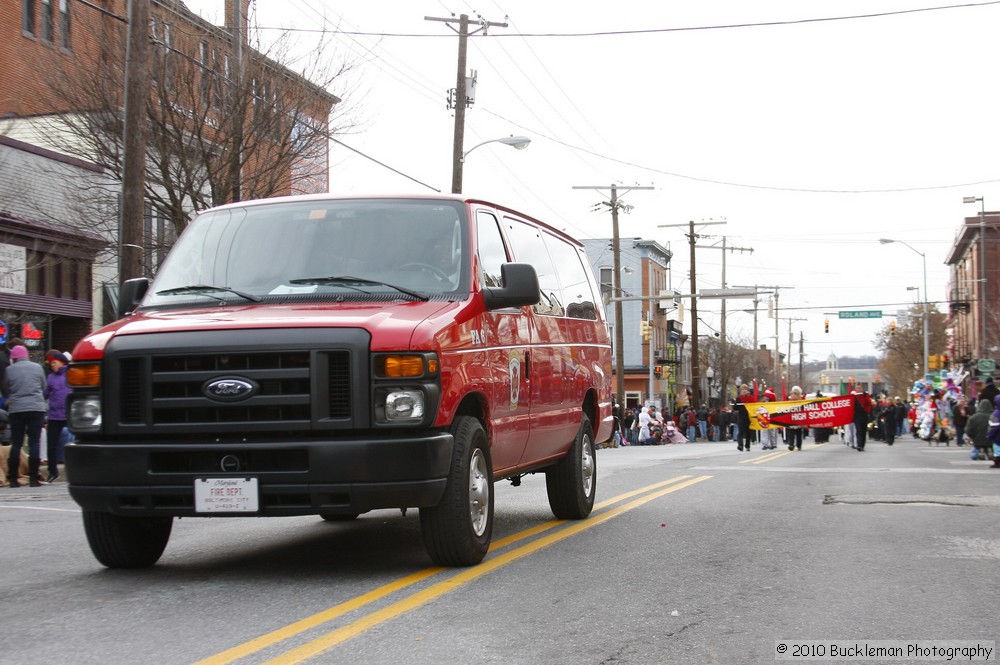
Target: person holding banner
(743, 417)
(793, 433)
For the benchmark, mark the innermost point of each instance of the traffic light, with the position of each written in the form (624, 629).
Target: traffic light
(892, 327)
(647, 331)
(934, 362)
(944, 361)
(658, 370)
(826, 326)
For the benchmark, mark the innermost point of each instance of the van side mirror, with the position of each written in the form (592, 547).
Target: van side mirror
(130, 294)
(520, 287)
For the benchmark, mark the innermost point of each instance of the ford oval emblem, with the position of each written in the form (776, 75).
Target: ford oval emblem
(229, 389)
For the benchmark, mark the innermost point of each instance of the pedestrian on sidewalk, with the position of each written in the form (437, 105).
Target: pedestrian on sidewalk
(959, 419)
(24, 387)
(56, 392)
(993, 434)
(976, 429)
(702, 416)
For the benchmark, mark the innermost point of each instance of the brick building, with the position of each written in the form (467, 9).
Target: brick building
(63, 64)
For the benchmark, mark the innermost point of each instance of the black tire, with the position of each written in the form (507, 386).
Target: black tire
(126, 542)
(343, 517)
(572, 481)
(457, 531)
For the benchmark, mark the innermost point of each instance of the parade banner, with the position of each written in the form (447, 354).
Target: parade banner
(817, 412)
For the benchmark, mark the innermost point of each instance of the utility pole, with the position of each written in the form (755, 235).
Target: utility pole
(802, 354)
(237, 105)
(788, 358)
(132, 216)
(461, 94)
(616, 289)
(695, 361)
(724, 364)
(762, 290)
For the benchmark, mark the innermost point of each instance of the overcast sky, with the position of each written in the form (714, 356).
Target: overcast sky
(811, 128)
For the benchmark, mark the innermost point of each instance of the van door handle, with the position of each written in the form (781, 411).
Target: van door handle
(527, 365)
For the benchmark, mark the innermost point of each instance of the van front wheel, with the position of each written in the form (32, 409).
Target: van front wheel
(572, 481)
(458, 530)
(126, 542)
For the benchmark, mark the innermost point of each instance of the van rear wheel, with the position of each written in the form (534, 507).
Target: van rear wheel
(126, 542)
(572, 481)
(457, 531)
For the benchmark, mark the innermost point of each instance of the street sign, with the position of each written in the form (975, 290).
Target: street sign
(986, 365)
(727, 293)
(861, 314)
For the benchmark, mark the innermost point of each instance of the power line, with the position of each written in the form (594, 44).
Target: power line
(642, 31)
(725, 183)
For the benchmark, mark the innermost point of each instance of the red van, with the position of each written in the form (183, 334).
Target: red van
(331, 356)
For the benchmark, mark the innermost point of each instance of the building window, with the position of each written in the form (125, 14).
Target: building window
(48, 20)
(206, 77)
(64, 31)
(28, 17)
(607, 282)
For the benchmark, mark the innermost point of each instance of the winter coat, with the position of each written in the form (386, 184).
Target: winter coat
(24, 386)
(56, 392)
(993, 433)
(979, 424)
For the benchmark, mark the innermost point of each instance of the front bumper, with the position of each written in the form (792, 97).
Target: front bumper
(338, 476)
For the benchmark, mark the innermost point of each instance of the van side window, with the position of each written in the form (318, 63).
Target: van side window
(577, 294)
(528, 246)
(492, 254)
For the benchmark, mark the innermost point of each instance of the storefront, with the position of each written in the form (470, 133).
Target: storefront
(46, 283)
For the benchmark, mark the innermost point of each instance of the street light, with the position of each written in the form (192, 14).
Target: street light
(517, 142)
(886, 241)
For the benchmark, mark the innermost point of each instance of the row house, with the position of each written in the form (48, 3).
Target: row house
(653, 349)
(974, 291)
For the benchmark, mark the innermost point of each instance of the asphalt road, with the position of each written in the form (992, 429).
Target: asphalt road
(696, 553)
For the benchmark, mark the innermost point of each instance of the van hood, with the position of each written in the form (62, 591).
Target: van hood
(392, 325)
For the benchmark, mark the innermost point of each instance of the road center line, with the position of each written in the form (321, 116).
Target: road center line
(331, 639)
(420, 598)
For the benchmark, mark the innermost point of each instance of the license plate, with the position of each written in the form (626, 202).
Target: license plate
(225, 495)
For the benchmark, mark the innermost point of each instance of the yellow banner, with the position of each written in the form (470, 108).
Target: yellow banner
(818, 412)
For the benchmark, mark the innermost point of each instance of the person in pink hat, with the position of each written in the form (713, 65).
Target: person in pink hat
(24, 387)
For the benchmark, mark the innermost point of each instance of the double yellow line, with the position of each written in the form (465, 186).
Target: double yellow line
(417, 599)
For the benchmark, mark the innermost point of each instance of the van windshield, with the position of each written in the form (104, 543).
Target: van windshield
(343, 249)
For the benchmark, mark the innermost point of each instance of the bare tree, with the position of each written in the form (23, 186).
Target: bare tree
(733, 359)
(218, 130)
(902, 362)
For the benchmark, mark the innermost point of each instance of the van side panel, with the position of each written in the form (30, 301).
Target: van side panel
(485, 356)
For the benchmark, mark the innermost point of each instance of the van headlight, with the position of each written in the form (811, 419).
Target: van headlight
(85, 414)
(404, 405)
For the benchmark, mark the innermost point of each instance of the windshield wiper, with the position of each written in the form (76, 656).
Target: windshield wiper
(346, 280)
(204, 289)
